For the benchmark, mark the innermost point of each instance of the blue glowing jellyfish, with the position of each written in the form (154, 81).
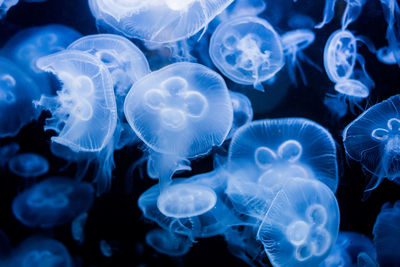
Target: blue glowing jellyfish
(52, 202)
(391, 12)
(156, 21)
(7, 152)
(28, 165)
(350, 14)
(28, 45)
(336, 106)
(386, 55)
(374, 139)
(240, 8)
(106, 249)
(242, 111)
(387, 234)
(366, 260)
(77, 227)
(5, 5)
(247, 50)
(301, 226)
(17, 91)
(168, 243)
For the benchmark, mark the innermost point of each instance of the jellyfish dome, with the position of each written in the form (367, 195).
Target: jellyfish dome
(386, 55)
(17, 91)
(247, 50)
(374, 139)
(301, 226)
(168, 243)
(154, 20)
(54, 201)
(5, 5)
(352, 88)
(289, 147)
(28, 165)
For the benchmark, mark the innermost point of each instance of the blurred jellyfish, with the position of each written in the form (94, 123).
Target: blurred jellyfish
(349, 245)
(168, 243)
(179, 112)
(336, 106)
(391, 12)
(28, 45)
(240, 8)
(242, 111)
(156, 21)
(28, 165)
(386, 55)
(387, 234)
(77, 227)
(107, 249)
(5, 5)
(374, 139)
(17, 91)
(350, 14)
(301, 21)
(7, 152)
(302, 224)
(54, 201)
(366, 260)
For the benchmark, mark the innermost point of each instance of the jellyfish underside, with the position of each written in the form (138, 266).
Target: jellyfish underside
(28, 165)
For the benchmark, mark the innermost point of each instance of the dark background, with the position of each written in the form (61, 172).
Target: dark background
(115, 216)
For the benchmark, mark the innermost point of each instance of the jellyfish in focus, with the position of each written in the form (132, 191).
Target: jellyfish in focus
(350, 14)
(28, 165)
(247, 50)
(77, 227)
(168, 243)
(5, 5)
(391, 12)
(242, 111)
(28, 45)
(54, 201)
(386, 55)
(374, 140)
(156, 21)
(301, 226)
(386, 234)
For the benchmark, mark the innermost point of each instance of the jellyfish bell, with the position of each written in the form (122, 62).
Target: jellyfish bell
(352, 88)
(168, 243)
(28, 165)
(386, 56)
(245, 56)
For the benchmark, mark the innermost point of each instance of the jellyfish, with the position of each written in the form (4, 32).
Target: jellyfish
(106, 249)
(240, 8)
(348, 247)
(77, 227)
(391, 12)
(386, 56)
(366, 260)
(28, 165)
(247, 50)
(301, 226)
(168, 243)
(54, 201)
(156, 21)
(242, 111)
(386, 234)
(351, 13)
(179, 112)
(5, 5)
(336, 106)
(301, 21)
(27, 46)
(374, 140)
(7, 152)
(17, 91)
(293, 43)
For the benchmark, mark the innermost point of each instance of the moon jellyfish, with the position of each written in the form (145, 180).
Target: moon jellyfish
(387, 234)
(156, 21)
(7, 152)
(5, 5)
(28, 165)
(247, 50)
(337, 107)
(17, 91)
(374, 140)
(391, 12)
(54, 201)
(168, 243)
(240, 8)
(350, 14)
(242, 111)
(283, 148)
(179, 112)
(77, 227)
(302, 224)
(386, 55)
(28, 45)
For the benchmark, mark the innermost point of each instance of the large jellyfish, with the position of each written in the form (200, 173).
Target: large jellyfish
(179, 112)
(374, 139)
(247, 50)
(387, 234)
(5, 5)
(17, 91)
(54, 201)
(391, 11)
(168, 243)
(28, 165)
(302, 224)
(154, 20)
(28, 45)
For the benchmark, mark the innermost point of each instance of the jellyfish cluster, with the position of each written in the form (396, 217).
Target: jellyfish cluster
(199, 132)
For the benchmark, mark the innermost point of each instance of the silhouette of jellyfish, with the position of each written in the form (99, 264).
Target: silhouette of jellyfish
(283, 148)
(302, 224)
(179, 112)
(351, 13)
(168, 243)
(374, 140)
(386, 56)
(77, 227)
(156, 21)
(28, 45)
(17, 91)
(386, 234)
(52, 202)
(242, 111)
(391, 12)
(28, 165)
(5, 5)
(247, 50)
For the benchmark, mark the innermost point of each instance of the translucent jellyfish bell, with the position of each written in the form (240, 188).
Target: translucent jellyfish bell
(5, 5)
(247, 50)
(374, 139)
(159, 21)
(352, 88)
(386, 55)
(168, 243)
(302, 224)
(242, 111)
(52, 202)
(28, 165)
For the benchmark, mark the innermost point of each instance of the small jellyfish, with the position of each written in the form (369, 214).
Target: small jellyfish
(386, 234)
(374, 140)
(5, 5)
(17, 91)
(77, 227)
(168, 243)
(350, 14)
(336, 106)
(7, 152)
(159, 21)
(247, 50)
(54, 201)
(28, 165)
(107, 248)
(301, 226)
(391, 12)
(242, 111)
(30, 44)
(386, 55)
